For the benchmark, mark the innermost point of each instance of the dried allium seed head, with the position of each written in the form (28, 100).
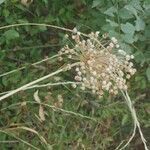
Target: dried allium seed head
(103, 67)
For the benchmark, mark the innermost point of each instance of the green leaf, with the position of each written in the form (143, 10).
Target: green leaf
(49, 147)
(124, 119)
(128, 38)
(96, 3)
(139, 24)
(45, 1)
(2, 54)
(137, 5)
(112, 23)
(139, 57)
(110, 11)
(128, 28)
(113, 33)
(1, 1)
(148, 73)
(128, 49)
(131, 9)
(11, 34)
(125, 14)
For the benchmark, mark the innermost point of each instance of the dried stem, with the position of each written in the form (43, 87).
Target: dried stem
(40, 24)
(44, 85)
(136, 122)
(36, 63)
(36, 81)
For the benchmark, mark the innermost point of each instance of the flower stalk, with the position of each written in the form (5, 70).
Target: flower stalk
(135, 120)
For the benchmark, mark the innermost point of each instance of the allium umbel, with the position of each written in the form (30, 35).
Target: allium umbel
(102, 65)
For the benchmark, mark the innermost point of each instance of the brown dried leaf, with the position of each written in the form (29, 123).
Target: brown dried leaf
(41, 113)
(41, 110)
(36, 97)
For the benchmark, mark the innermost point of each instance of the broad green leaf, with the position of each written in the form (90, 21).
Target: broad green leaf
(128, 28)
(128, 38)
(96, 3)
(1, 1)
(139, 57)
(128, 49)
(131, 9)
(137, 5)
(125, 14)
(107, 27)
(110, 11)
(112, 23)
(139, 24)
(113, 33)
(148, 73)
(11, 34)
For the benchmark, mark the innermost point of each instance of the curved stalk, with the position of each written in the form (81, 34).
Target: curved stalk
(36, 81)
(136, 122)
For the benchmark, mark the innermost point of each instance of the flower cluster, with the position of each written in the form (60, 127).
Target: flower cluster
(103, 66)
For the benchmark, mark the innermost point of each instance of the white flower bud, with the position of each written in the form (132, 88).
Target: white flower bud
(78, 33)
(132, 57)
(70, 56)
(79, 73)
(117, 45)
(74, 85)
(111, 45)
(122, 52)
(128, 57)
(114, 40)
(128, 76)
(75, 30)
(66, 36)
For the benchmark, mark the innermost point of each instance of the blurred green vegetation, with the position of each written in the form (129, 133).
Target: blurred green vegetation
(127, 20)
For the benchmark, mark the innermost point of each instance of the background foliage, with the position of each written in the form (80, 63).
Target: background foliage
(127, 20)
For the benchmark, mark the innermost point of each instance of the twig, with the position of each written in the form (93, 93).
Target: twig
(43, 85)
(36, 81)
(40, 24)
(136, 122)
(34, 64)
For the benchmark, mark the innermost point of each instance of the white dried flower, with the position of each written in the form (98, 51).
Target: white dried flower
(117, 45)
(114, 40)
(78, 33)
(66, 36)
(75, 30)
(74, 85)
(132, 57)
(101, 67)
(111, 45)
(122, 52)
